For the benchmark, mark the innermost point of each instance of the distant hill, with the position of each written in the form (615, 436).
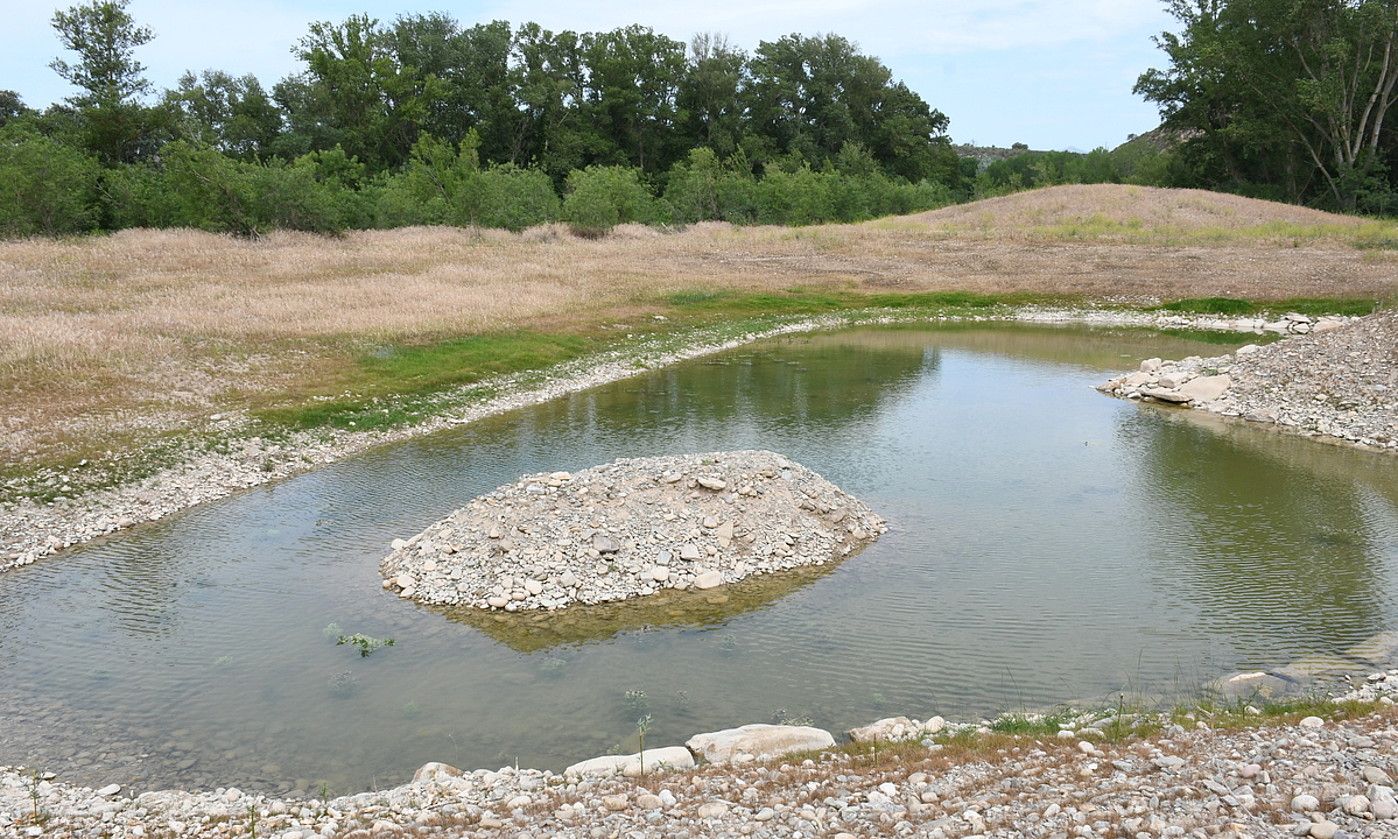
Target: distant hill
(1137, 207)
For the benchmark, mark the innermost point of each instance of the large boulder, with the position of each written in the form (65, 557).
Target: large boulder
(1206, 388)
(632, 766)
(1249, 685)
(758, 741)
(1380, 649)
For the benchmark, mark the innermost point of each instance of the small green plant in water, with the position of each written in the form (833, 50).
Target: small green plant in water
(636, 701)
(365, 643)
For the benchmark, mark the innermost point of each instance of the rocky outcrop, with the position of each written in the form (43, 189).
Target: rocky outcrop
(1333, 378)
(629, 528)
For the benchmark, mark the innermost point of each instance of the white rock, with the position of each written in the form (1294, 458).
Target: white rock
(759, 741)
(653, 760)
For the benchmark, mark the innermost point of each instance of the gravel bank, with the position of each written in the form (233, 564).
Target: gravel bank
(1312, 777)
(31, 530)
(1327, 379)
(630, 528)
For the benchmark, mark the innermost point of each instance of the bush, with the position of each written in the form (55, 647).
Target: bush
(601, 197)
(45, 186)
(513, 198)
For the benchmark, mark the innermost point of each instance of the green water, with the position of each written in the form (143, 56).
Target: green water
(1047, 544)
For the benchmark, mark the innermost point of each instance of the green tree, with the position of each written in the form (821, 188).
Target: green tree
(105, 37)
(1291, 93)
(601, 197)
(45, 186)
(234, 115)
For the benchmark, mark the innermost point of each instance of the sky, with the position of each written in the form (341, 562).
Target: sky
(1051, 74)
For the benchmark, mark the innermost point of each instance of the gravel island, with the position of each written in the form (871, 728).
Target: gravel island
(630, 528)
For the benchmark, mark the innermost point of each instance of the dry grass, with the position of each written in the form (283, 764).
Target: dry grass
(135, 331)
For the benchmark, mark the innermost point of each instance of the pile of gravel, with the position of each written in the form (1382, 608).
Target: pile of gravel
(1337, 382)
(630, 528)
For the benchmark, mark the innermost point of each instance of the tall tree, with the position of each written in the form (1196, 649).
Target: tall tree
(1295, 91)
(110, 79)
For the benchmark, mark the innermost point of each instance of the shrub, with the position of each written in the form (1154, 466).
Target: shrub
(45, 186)
(601, 197)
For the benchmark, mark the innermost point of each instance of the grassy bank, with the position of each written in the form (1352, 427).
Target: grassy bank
(120, 350)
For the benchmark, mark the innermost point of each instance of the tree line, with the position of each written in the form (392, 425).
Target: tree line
(423, 120)
(426, 121)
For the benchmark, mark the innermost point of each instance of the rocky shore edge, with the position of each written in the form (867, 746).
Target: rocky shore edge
(31, 530)
(1331, 378)
(1110, 772)
(630, 528)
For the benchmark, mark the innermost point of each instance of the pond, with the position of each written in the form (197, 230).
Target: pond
(1047, 544)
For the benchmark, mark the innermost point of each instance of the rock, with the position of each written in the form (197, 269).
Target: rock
(1150, 365)
(1245, 685)
(1161, 394)
(436, 772)
(708, 580)
(655, 760)
(1375, 775)
(646, 801)
(707, 482)
(1206, 388)
(890, 728)
(712, 809)
(605, 544)
(109, 790)
(1312, 722)
(615, 803)
(759, 741)
(1324, 830)
(1305, 803)
(689, 552)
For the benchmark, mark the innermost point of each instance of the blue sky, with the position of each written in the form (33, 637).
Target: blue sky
(1051, 74)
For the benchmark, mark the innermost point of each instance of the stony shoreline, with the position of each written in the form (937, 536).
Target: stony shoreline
(1331, 378)
(1105, 773)
(628, 529)
(31, 530)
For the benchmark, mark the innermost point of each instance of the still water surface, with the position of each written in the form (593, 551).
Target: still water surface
(1047, 544)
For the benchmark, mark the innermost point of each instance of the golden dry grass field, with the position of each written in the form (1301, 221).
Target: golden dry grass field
(107, 341)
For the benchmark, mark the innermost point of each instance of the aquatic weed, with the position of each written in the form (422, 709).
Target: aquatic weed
(366, 644)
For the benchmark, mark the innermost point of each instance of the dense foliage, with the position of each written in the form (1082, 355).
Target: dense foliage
(424, 121)
(1284, 99)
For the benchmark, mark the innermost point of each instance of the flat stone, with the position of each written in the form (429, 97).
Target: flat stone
(1161, 394)
(708, 482)
(689, 552)
(759, 741)
(605, 544)
(1206, 388)
(633, 766)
